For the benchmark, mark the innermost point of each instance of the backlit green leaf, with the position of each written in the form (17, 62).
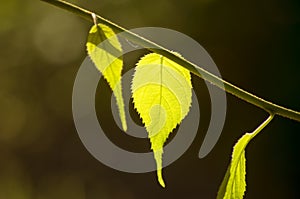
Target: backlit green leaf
(162, 95)
(105, 51)
(234, 182)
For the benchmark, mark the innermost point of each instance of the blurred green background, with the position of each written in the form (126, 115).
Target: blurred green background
(255, 44)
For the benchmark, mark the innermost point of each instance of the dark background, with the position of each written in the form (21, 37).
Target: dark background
(255, 45)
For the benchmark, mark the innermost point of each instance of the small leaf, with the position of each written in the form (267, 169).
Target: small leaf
(162, 96)
(234, 182)
(105, 51)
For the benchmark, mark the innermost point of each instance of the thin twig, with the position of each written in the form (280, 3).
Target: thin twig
(199, 71)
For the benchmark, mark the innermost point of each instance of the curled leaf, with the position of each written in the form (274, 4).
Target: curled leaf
(234, 182)
(105, 50)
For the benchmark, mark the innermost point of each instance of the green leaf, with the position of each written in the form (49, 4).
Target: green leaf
(234, 182)
(105, 51)
(162, 95)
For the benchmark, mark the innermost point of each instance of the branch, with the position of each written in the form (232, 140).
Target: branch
(228, 87)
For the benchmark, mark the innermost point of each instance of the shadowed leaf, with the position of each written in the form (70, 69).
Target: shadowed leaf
(105, 51)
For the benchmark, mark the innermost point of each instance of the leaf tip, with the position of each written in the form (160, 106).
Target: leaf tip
(158, 159)
(124, 125)
(160, 178)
